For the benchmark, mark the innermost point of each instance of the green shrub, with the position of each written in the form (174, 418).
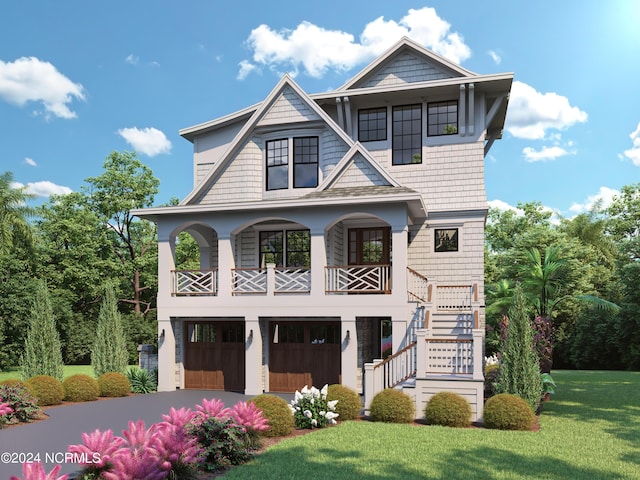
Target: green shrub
(448, 409)
(140, 380)
(13, 382)
(278, 412)
(24, 405)
(349, 406)
(109, 352)
(223, 443)
(392, 406)
(80, 388)
(113, 384)
(508, 412)
(46, 389)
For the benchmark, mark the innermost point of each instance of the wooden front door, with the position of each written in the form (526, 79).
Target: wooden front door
(214, 355)
(303, 353)
(370, 246)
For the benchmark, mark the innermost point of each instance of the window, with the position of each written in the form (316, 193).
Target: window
(277, 164)
(305, 163)
(287, 333)
(372, 124)
(201, 333)
(407, 134)
(321, 334)
(446, 240)
(294, 246)
(442, 118)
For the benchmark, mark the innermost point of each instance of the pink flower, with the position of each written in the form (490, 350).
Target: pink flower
(212, 408)
(98, 447)
(35, 471)
(249, 416)
(179, 418)
(5, 409)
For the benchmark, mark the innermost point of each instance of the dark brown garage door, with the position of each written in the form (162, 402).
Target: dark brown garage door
(214, 355)
(303, 353)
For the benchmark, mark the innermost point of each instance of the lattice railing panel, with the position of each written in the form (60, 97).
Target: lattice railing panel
(293, 280)
(195, 282)
(370, 278)
(249, 281)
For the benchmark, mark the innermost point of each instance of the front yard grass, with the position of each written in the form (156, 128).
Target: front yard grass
(14, 372)
(589, 430)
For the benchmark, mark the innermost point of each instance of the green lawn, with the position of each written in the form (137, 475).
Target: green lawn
(590, 430)
(68, 371)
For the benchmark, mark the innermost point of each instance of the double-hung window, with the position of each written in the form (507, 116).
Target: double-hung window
(290, 248)
(407, 134)
(302, 152)
(442, 118)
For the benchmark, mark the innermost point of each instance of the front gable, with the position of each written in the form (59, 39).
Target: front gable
(406, 62)
(238, 175)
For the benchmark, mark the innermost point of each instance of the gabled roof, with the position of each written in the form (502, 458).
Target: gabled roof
(348, 160)
(252, 123)
(402, 45)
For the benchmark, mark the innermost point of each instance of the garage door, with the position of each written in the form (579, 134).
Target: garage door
(303, 353)
(214, 355)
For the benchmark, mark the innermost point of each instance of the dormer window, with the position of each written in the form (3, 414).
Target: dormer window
(302, 152)
(442, 118)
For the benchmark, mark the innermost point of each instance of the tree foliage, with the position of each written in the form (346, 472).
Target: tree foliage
(109, 353)
(42, 349)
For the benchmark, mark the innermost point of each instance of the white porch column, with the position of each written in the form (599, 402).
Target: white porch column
(253, 357)
(166, 265)
(478, 353)
(399, 266)
(166, 355)
(349, 353)
(225, 263)
(318, 264)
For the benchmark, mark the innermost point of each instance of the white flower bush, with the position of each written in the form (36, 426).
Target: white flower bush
(493, 360)
(311, 409)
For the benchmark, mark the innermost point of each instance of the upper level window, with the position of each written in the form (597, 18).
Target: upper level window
(305, 163)
(278, 164)
(372, 124)
(407, 134)
(446, 240)
(442, 118)
(290, 246)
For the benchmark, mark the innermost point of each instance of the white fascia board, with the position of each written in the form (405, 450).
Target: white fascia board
(190, 132)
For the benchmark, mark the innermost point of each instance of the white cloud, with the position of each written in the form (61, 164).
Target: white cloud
(495, 56)
(149, 141)
(132, 59)
(32, 80)
(43, 188)
(532, 114)
(544, 154)
(503, 206)
(633, 153)
(246, 68)
(315, 50)
(30, 161)
(604, 195)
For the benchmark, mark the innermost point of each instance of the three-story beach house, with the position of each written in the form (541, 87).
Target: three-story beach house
(340, 236)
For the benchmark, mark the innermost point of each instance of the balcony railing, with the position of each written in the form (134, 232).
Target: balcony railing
(449, 356)
(195, 282)
(359, 279)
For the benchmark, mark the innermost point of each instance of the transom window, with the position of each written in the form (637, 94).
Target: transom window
(291, 248)
(407, 134)
(305, 163)
(442, 118)
(372, 124)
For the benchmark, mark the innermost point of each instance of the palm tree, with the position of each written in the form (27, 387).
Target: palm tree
(14, 214)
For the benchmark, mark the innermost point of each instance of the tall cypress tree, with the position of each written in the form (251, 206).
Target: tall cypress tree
(42, 348)
(109, 353)
(519, 372)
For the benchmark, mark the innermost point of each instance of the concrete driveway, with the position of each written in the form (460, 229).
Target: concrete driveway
(50, 438)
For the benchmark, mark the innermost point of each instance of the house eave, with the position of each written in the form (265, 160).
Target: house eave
(414, 201)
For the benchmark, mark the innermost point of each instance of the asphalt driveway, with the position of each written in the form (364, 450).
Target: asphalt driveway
(50, 438)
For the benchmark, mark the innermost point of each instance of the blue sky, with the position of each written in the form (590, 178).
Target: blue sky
(80, 79)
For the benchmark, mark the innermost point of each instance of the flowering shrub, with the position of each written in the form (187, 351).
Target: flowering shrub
(223, 443)
(492, 360)
(22, 403)
(5, 410)
(311, 409)
(35, 471)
